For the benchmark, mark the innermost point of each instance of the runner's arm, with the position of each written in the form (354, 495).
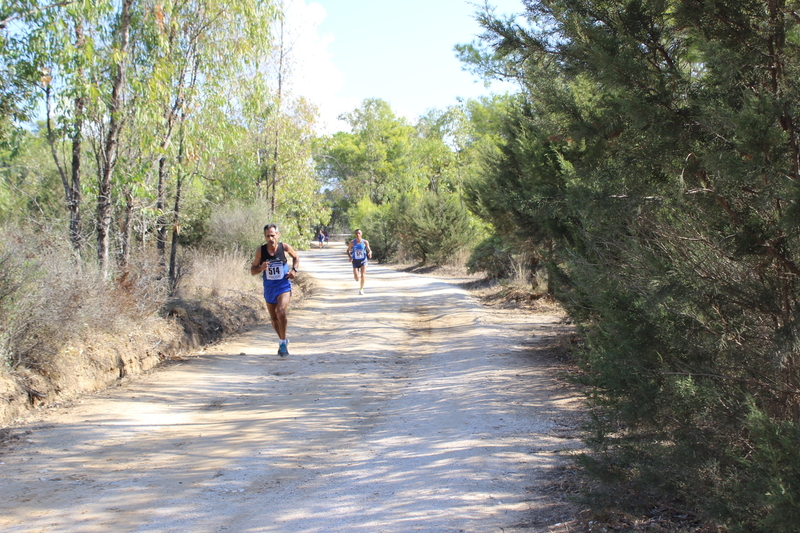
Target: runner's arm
(369, 250)
(295, 259)
(257, 266)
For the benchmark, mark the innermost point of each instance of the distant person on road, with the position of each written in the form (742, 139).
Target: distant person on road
(271, 263)
(326, 237)
(359, 251)
(320, 238)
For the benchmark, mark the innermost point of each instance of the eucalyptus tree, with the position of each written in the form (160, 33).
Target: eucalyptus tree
(193, 51)
(112, 118)
(54, 51)
(76, 53)
(109, 65)
(200, 48)
(276, 127)
(374, 158)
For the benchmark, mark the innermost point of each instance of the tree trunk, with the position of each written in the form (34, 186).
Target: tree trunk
(276, 152)
(176, 230)
(74, 197)
(108, 157)
(127, 222)
(176, 212)
(71, 184)
(161, 223)
(74, 193)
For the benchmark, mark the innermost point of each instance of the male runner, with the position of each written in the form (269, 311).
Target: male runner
(271, 263)
(359, 251)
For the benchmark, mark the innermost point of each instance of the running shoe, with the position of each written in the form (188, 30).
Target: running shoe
(361, 292)
(283, 350)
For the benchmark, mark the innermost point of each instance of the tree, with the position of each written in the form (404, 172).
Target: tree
(135, 65)
(107, 155)
(53, 54)
(653, 161)
(374, 158)
(16, 95)
(436, 227)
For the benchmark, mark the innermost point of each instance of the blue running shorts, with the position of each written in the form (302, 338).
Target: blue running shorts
(274, 289)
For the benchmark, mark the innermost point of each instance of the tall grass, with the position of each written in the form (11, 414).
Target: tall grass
(210, 274)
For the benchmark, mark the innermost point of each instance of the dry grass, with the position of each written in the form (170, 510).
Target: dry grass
(47, 299)
(216, 273)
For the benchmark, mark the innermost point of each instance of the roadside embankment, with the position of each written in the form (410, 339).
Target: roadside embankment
(102, 359)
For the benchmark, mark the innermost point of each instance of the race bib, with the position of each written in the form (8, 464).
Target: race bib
(359, 254)
(275, 271)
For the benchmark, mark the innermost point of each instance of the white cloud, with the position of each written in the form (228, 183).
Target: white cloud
(314, 74)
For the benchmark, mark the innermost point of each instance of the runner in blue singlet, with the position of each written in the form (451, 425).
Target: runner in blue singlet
(359, 251)
(271, 263)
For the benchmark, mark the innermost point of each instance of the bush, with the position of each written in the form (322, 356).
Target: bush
(241, 227)
(19, 304)
(492, 257)
(48, 297)
(435, 227)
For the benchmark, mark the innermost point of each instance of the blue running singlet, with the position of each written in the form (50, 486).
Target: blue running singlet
(358, 253)
(275, 280)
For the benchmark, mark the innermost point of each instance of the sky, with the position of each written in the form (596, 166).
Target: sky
(344, 51)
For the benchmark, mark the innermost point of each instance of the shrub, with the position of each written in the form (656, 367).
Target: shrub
(49, 297)
(435, 227)
(241, 227)
(492, 257)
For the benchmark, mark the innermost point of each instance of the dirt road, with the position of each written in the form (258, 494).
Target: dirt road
(410, 408)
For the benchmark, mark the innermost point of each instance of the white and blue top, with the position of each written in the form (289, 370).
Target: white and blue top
(359, 251)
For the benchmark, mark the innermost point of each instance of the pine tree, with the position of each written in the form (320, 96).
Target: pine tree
(654, 161)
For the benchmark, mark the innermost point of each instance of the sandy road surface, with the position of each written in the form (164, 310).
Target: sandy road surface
(411, 408)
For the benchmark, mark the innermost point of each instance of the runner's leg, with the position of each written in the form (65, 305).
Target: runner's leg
(277, 314)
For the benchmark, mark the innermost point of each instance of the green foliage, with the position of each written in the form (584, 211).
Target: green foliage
(373, 159)
(29, 183)
(773, 470)
(434, 228)
(651, 163)
(179, 105)
(493, 258)
(358, 214)
(387, 160)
